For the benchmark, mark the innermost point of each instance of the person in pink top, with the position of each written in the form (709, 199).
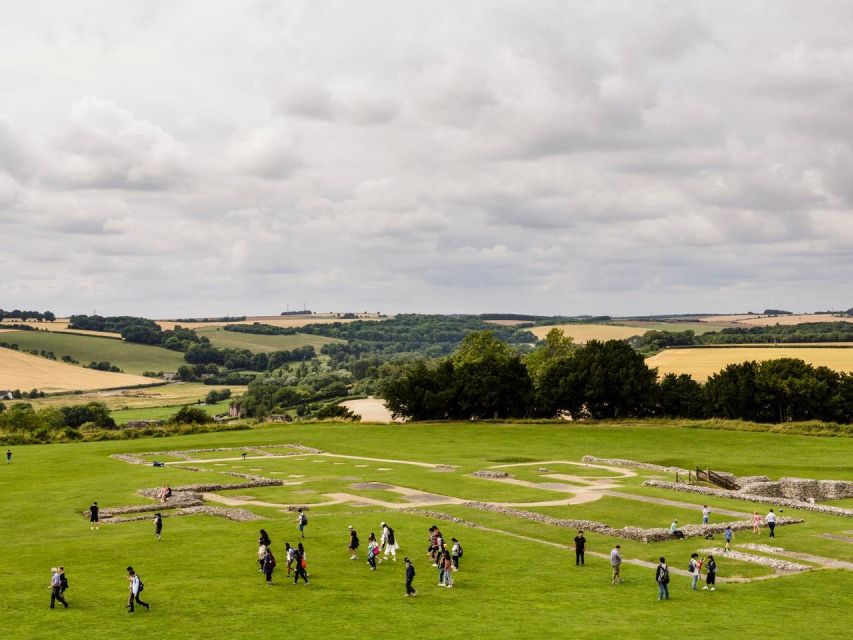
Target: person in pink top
(756, 523)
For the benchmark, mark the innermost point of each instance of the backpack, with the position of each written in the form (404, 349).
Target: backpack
(664, 575)
(63, 582)
(271, 560)
(391, 539)
(691, 567)
(141, 587)
(303, 520)
(459, 552)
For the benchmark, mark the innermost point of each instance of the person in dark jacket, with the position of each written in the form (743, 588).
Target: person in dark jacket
(662, 578)
(410, 575)
(264, 539)
(353, 543)
(711, 576)
(580, 547)
(63, 581)
(269, 565)
(301, 564)
(158, 525)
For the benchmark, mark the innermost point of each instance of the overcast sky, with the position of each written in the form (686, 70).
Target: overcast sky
(196, 158)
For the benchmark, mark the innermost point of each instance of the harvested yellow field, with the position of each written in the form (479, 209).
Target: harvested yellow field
(25, 372)
(174, 393)
(370, 409)
(276, 321)
(702, 362)
(769, 321)
(60, 325)
(583, 333)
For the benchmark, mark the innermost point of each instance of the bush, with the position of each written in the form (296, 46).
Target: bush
(191, 415)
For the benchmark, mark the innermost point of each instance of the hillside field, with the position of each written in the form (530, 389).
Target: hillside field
(123, 416)
(24, 371)
(276, 321)
(258, 343)
(518, 577)
(129, 357)
(769, 321)
(60, 325)
(173, 395)
(583, 333)
(702, 362)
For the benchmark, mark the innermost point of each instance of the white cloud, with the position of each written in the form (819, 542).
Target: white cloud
(608, 157)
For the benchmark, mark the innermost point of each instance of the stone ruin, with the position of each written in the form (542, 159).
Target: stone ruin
(490, 474)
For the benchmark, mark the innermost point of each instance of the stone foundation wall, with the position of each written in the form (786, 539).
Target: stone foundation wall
(818, 490)
(490, 474)
(620, 462)
(743, 495)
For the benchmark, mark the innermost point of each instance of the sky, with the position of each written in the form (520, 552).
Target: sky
(182, 158)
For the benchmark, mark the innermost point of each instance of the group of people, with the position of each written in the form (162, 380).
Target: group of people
(59, 585)
(296, 558)
(757, 521)
(445, 557)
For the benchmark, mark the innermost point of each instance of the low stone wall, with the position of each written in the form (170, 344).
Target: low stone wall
(186, 454)
(620, 462)
(238, 515)
(743, 495)
(298, 507)
(490, 474)
(637, 534)
(206, 487)
(818, 490)
(775, 563)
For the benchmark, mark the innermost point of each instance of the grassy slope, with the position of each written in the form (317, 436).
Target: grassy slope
(175, 394)
(257, 343)
(124, 416)
(202, 579)
(132, 358)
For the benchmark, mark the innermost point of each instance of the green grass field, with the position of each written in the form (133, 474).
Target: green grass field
(518, 578)
(131, 358)
(257, 343)
(123, 416)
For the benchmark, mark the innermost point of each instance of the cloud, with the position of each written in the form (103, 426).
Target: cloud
(577, 158)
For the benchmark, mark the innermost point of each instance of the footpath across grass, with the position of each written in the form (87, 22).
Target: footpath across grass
(202, 578)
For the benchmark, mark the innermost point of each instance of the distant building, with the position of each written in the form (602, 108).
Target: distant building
(143, 424)
(236, 410)
(279, 417)
(5, 394)
(169, 375)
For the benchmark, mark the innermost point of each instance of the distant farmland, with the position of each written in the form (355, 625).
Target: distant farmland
(257, 343)
(23, 371)
(173, 395)
(702, 362)
(585, 332)
(276, 321)
(130, 357)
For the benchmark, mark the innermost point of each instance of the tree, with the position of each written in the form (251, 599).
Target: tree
(479, 346)
(602, 380)
(555, 346)
(191, 415)
(680, 396)
(422, 391)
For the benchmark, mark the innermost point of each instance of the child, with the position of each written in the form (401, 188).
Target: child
(372, 551)
(410, 575)
(728, 534)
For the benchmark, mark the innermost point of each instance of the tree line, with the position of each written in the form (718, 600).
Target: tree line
(808, 332)
(485, 378)
(18, 314)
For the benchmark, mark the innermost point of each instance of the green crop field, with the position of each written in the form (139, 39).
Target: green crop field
(123, 416)
(131, 358)
(518, 578)
(257, 343)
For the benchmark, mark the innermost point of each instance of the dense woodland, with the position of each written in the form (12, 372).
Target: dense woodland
(25, 316)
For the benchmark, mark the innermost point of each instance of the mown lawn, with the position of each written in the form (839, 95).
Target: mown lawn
(202, 579)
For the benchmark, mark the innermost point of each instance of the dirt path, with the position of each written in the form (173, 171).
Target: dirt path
(674, 503)
(829, 563)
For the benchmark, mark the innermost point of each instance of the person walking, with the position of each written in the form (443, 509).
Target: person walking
(8, 456)
(447, 563)
(389, 542)
(136, 588)
(56, 588)
(711, 575)
(93, 516)
(301, 564)
(662, 578)
(158, 525)
(770, 519)
(706, 514)
(301, 523)
(63, 581)
(289, 554)
(728, 535)
(579, 544)
(268, 565)
(616, 564)
(410, 576)
(756, 523)
(456, 553)
(372, 551)
(695, 568)
(262, 553)
(264, 539)
(353, 543)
